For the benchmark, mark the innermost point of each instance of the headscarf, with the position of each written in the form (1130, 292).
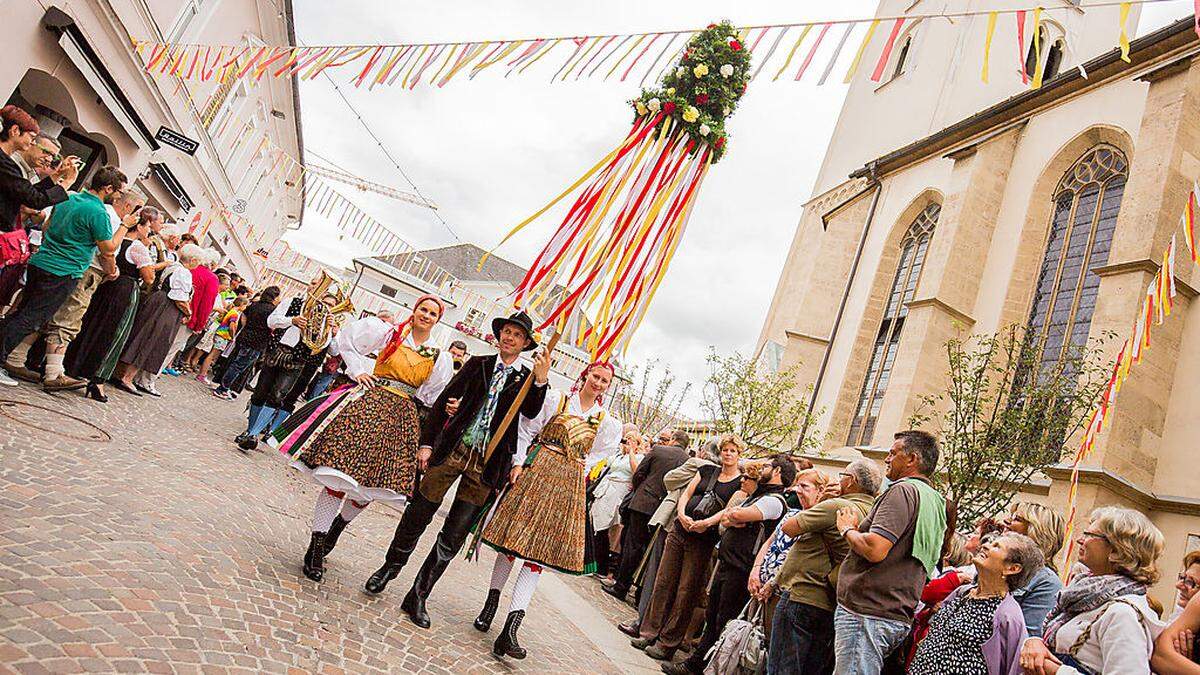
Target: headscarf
(405, 327)
(575, 388)
(1085, 593)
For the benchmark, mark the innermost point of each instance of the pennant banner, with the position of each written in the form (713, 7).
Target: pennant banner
(615, 57)
(1155, 307)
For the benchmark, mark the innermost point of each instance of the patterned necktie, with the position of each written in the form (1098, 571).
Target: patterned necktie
(489, 408)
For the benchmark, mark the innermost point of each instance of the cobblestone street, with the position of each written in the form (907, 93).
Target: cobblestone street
(136, 538)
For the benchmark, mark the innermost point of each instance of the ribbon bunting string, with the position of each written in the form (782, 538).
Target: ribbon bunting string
(615, 57)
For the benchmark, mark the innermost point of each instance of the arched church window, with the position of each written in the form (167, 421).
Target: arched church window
(1086, 203)
(1053, 43)
(887, 339)
(1054, 58)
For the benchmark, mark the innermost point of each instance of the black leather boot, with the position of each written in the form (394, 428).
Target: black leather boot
(314, 559)
(412, 525)
(484, 621)
(335, 531)
(506, 644)
(449, 540)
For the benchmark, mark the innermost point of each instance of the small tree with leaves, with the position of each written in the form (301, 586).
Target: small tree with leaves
(651, 399)
(761, 406)
(1006, 413)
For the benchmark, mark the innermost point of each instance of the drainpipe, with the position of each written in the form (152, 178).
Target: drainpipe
(837, 320)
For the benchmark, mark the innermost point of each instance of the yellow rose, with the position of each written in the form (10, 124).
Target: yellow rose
(641, 108)
(670, 91)
(700, 70)
(691, 114)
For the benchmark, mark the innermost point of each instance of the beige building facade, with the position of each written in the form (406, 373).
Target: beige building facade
(980, 206)
(77, 72)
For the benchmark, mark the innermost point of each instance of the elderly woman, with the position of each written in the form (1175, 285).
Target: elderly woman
(1187, 583)
(610, 489)
(159, 320)
(1102, 622)
(1046, 528)
(978, 630)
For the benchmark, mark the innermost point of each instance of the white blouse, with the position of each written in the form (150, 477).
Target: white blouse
(369, 335)
(179, 283)
(1118, 643)
(137, 254)
(608, 434)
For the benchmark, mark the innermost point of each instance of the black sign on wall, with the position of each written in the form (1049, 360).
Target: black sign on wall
(176, 140)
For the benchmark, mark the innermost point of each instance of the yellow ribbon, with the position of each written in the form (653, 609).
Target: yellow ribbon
(792, 53)
(987, 44)
(1038, 70)
(1125, 31)
(861, 49)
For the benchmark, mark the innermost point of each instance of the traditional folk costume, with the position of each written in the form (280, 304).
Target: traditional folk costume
(543, 519)
(106, 325)
(291, 351)
(157, 322)
(361, 442)
(462, 447)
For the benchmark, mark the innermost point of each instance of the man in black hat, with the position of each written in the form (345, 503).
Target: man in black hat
(457, 444)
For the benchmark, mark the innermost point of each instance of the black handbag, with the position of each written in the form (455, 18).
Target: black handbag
(709, 503)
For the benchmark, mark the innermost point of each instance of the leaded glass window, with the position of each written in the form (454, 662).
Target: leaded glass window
(1086, 204)
(904, 284)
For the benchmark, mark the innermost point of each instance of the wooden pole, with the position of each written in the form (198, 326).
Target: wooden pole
(516, 404)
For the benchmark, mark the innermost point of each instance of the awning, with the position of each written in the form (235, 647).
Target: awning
(85, 58)
(163, 173)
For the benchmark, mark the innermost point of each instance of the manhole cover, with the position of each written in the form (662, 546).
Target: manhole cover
(53, 421)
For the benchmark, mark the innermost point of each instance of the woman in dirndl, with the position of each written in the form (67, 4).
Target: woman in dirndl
(542, 518)
(360, 442)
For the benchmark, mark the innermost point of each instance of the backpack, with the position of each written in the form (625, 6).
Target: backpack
(742, 647)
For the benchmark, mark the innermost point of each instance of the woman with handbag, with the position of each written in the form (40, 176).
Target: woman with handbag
(687, 553)
(605, 495)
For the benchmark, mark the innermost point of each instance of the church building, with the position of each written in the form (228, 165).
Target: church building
(947, 206)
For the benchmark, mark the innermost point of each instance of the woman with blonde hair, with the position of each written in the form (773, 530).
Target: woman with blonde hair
(1046, 528)
(1102, 622)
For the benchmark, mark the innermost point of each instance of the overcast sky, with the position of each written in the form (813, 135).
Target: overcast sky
(491, 151)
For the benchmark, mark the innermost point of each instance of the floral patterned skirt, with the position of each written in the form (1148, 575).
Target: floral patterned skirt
(362, 442)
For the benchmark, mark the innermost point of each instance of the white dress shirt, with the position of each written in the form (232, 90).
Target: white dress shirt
(370, 335)
(608, 433)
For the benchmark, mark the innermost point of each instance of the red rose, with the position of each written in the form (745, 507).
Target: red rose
(687, 54)
(702, 99)
(735, 45)
(668, 108)
(719, 143)
(712, 25)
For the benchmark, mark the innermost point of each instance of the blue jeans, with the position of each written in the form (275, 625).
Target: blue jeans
(241, 360)
(861, 643)
(319, 384)
(801, 639)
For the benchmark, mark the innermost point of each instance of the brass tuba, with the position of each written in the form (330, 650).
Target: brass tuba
(325, 301)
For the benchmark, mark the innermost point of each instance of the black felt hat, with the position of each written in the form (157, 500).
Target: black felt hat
(520, 320)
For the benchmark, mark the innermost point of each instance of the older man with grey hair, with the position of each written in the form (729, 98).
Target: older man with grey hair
(802, 627)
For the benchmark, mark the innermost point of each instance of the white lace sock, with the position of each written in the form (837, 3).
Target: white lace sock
(527, 580)
(327, 507)
(500, 571)
(351, 508)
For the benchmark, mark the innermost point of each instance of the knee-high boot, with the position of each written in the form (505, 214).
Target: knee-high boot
(417, 516)
(449, 540)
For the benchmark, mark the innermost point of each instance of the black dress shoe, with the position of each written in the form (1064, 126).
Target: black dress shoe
(414, 607)
(380, 579)
(631, 628)
(615, 592)
(484, 621)
(120, 384)
(147, 390)
(94, 393)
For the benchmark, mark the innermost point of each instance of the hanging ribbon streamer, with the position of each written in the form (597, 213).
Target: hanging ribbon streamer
(812, 52)
(1021, 46)
(795, 46)
(859, 54)
(887, 51)
(836, 52)
(1124, 19)
(1038, 67)
(987, 44)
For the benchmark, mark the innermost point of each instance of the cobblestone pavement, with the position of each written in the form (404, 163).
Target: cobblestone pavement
(164, 549)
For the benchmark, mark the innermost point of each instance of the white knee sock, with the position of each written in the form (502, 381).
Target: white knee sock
(527, 580)
(19, 353)
(350, 509)
(500, 571)
(54, 365)
(327, 507)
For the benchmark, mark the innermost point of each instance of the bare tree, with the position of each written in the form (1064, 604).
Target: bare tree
(651, 399)
(763, 407)
(1006, 414)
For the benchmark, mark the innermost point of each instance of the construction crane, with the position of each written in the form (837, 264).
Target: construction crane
(367, 186)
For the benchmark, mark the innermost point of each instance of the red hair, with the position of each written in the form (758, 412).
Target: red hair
(13, 116)
(583, 377)
(405, 327)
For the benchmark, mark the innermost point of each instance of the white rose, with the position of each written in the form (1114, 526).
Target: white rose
(679, 71)
(653, 105)
(726, 111)
(727, 70)
(704, 130)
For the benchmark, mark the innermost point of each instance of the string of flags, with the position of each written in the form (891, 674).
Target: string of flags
(1156, 306)
(792, 47)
